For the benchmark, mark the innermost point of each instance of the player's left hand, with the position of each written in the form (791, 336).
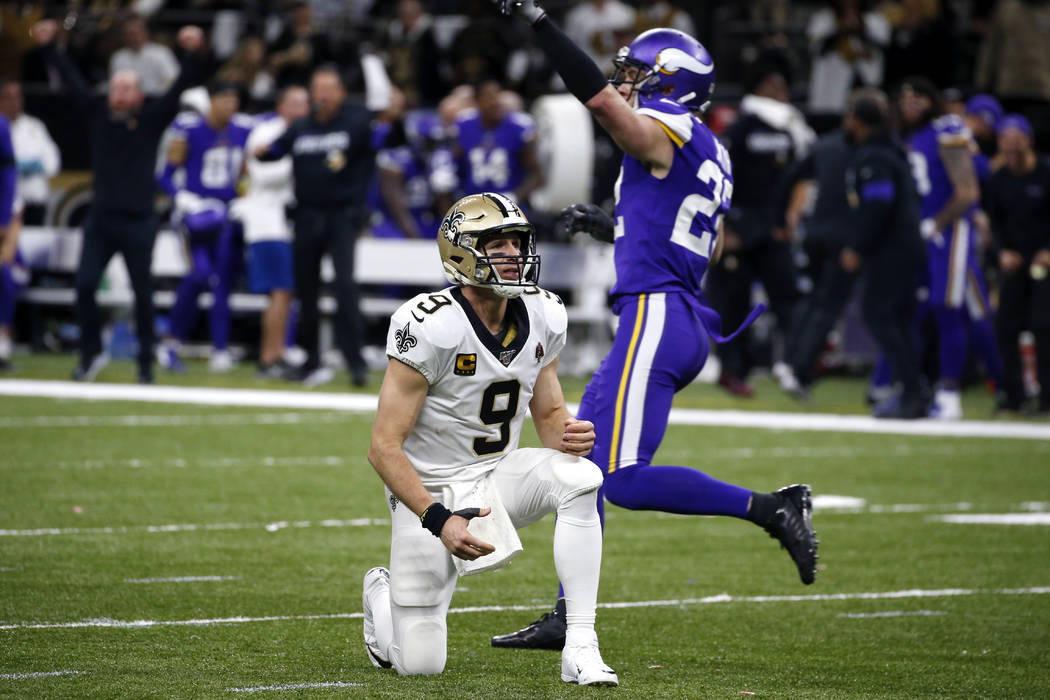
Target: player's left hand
(1042, 257)
(578, 438)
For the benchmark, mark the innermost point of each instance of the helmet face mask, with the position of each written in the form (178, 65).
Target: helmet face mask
(469, 226)
(668, 64)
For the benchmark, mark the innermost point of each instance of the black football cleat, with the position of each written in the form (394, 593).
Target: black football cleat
(792, 525)
(548, 632)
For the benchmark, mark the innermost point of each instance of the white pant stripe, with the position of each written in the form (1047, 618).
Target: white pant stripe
(960, 253)
(634, 410)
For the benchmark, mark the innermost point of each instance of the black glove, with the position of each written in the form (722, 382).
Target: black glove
(589, 218)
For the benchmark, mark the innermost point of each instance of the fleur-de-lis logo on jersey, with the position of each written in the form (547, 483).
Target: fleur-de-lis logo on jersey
(404, 340)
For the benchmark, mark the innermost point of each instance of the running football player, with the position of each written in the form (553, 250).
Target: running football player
(675, 186)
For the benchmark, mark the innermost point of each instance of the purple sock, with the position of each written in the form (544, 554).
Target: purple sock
(184, 310)
(675, 490)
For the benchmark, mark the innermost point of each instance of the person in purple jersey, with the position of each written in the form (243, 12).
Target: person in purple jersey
(496, 148)
(416, 179)
(674, 188)
(12, 273)
(201, 173)
(940, 151)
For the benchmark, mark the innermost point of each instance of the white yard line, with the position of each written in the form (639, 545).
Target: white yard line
(995, 519)
(709, 600)
(1032, 513)
(192, 527)
(182, 579)
(367, 403)
(893, 613)
(41, 674)
(166, 421)
(209, 462)
(294, 686)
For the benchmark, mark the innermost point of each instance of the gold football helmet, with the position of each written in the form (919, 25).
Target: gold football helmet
(471, 223)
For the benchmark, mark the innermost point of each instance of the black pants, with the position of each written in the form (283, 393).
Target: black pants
(106, 234)
(888, 306)
(1023, 303)
(728, 288)
(818, 312)
(333, 231)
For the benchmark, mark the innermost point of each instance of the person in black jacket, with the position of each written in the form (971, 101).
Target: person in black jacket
(1018, 200)
(332, 161)
(826, 230)
(125, 133)
(886, 244)
(767, 136)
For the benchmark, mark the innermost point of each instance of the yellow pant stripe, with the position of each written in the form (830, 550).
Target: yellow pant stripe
(621, 395)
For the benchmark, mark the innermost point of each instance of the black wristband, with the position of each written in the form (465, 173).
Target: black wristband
(435, 517)
(582, 76)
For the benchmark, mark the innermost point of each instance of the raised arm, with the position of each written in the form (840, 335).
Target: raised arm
(400, 401)
(556, 427)
(190, 40)
(44, 32)
(638, 136)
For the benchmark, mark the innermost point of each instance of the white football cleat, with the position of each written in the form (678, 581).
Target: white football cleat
(947, 405)
(220, 361)
(376, 584)
(583, 665)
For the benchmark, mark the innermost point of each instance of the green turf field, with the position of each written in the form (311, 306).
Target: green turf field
(270, 517)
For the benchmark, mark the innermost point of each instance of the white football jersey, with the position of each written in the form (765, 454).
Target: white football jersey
(479, 388)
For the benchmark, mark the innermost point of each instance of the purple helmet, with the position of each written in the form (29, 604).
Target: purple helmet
(424, 129)
(671, 64)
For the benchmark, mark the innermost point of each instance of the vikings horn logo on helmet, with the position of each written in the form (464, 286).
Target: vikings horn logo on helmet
(671, 61)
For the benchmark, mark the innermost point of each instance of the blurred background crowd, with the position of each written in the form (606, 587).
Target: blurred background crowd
(449, 87)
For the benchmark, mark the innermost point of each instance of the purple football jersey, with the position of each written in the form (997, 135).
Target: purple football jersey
(213, 159)
(666, 228)
(931, 178)
(491, 158)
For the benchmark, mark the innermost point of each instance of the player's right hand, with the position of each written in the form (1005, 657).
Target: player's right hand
(460, 542)
(589, 218)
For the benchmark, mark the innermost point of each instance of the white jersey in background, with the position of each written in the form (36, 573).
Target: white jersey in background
(479, 388)
(270, 187)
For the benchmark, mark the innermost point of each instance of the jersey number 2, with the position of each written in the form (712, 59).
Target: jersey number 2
(496, 410)
(721, 191)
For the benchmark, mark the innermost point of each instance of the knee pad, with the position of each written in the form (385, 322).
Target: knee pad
(574, 476)
(423, 648)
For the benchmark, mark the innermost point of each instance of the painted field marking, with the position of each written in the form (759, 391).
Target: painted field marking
(182, 579)
(41, 674)
(190, 527)
(294, 686)
(210, 462)
(170, 421)
(1035, 513)
(995, 518)
(708, 600)
(365, 403)
(893, 613)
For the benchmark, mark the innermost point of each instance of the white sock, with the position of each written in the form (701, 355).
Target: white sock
(381, 618)
(578, 560)
(5, 346)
